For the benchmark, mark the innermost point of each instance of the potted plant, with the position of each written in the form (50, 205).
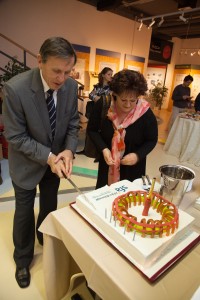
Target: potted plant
(12, 68)
(157, 94)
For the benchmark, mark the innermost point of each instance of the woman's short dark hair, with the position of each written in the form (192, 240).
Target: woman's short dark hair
(58, 47)
(128, 81)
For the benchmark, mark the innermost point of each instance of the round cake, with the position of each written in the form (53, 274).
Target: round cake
(167, 223)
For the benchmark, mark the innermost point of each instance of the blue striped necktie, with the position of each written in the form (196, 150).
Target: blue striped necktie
(52, 111)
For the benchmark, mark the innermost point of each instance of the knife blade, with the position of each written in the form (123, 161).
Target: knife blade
(148, 179)
(144, 186)
(79, 191)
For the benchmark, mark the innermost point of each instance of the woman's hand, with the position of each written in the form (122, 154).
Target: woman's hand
(96, 98)
(108, 157)
(129, 159)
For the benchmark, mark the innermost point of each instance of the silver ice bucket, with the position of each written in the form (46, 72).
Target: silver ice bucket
(175, 181)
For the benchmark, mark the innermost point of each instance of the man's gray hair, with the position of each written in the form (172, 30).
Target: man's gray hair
(58, 47)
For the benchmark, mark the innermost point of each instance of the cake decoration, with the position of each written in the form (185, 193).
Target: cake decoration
(147, 241)
(167, 224)
(147, 203)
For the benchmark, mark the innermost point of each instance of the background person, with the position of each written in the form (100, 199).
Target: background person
(181, 98)
(197, 103)
(128, 133)
(100, 89)
(36, 157)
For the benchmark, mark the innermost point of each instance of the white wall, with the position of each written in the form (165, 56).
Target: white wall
(29, 23)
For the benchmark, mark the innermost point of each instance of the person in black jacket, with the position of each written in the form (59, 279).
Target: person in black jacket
(128, 133)
(100, 89)
(197, 103)
(181, 98)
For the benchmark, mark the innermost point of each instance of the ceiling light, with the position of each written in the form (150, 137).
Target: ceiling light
(198, 52)
(192, 53)
(182, 18)
(140, 27)
(151, 24)
(161, 21)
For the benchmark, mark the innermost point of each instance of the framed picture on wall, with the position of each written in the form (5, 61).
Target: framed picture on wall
(82, 65)
(134, 63)
(106, 58)
(103, 64)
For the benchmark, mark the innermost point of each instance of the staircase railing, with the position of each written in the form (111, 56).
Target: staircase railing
(25, 51)
(24, 63)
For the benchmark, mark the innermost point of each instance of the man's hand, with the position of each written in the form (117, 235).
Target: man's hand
(62, 163)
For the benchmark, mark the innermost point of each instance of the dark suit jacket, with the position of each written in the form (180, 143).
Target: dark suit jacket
(197, 103)
(27, 126)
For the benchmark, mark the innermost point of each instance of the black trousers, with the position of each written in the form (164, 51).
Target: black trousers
(24, 219)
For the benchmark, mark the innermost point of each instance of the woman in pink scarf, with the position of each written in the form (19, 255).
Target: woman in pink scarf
(128, 131)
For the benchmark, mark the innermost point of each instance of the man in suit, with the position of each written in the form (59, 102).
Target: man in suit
(37, 154)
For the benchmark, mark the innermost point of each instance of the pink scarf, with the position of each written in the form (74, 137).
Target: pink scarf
(118, 145)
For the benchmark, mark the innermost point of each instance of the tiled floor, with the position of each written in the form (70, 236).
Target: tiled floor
(84, 175)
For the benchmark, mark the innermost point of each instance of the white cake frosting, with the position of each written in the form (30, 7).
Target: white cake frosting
(96, 207)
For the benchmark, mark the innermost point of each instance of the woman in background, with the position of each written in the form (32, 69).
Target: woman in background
(102, 87)
(128, 132)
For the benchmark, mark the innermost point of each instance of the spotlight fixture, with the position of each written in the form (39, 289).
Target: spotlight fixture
(163, 17)
(161, 21)
(140, 27)
(190, 51)
(182, 18)
(151, 24)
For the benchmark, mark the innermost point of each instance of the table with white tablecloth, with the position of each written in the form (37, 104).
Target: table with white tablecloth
(184, 140)
(71, 245)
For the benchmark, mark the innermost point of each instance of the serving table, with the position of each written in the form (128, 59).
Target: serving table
(71, 245)
(184, 140)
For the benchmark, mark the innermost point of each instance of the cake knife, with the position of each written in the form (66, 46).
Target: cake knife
(79, 191)
(148, 179)
(145, 187)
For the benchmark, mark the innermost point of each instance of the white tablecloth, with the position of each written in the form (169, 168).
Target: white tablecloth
(184, 141)
(68, 238)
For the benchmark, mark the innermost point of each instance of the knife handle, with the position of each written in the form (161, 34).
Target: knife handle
(148, 179)
(143, 180)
